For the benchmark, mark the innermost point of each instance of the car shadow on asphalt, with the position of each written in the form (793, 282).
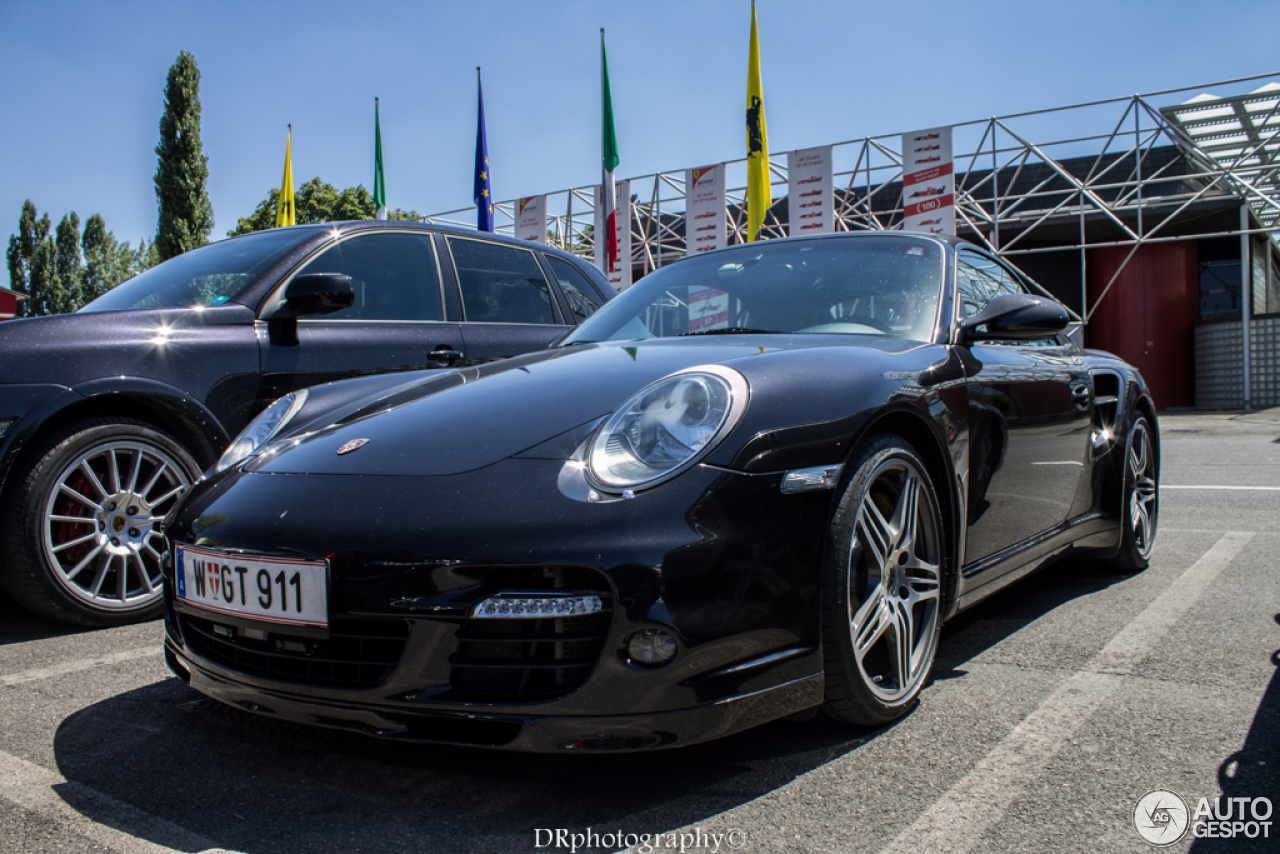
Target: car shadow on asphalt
(1251, 772)
(1003, 614)
(263, 786)
(18, 625)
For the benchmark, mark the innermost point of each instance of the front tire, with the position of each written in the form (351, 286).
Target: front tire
(81, 521)
(882, 585)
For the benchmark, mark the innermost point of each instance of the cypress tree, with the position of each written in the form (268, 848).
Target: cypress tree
(106, 261)
(22, 246)
(185, 215)
(68, 266)
(43, 286)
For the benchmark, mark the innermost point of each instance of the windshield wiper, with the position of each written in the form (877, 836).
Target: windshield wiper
(732, 330)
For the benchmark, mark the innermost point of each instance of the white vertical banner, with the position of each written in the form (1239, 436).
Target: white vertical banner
(810, 192)
(705, 220)
(531, 219)
(928, 182)
(620, 278)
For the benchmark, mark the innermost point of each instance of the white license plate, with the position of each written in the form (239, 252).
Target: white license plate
(275, 590)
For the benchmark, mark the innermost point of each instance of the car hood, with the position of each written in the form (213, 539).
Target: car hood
(471, 418)
(69, 349)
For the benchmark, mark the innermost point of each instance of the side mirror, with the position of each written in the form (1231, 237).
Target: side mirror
(315, 293)
(1015, 317)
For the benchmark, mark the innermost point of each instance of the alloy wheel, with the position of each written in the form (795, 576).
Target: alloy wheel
(1143, 492)
(101, 529)
(896, 583)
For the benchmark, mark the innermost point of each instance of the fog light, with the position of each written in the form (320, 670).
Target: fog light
(523, 607)
(651, 648)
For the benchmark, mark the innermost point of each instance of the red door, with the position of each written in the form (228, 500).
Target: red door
(1148, 315)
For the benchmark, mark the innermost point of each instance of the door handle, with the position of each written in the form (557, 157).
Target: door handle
(445, 355)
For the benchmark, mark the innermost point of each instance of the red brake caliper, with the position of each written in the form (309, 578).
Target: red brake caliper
(66, 531)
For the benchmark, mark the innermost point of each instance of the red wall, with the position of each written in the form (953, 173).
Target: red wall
(8, 303)
(1148, 315)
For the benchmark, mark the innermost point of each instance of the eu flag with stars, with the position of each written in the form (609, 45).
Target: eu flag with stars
(483, 193)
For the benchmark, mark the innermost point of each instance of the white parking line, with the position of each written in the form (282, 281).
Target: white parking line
(79, 665)
(957, 821)
(41, 791)
(1253, 488)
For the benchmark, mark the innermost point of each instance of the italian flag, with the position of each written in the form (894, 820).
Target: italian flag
(609, 161)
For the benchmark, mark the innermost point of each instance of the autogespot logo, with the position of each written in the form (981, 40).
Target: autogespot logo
(1161, 817)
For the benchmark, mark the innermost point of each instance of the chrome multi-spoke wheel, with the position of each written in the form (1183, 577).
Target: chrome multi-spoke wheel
(102, 524)
(885, 580)
(1141, 507)
(85, 521)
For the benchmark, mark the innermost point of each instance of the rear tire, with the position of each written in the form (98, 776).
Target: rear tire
(1140, 513)
(882, 585)
(81, 520)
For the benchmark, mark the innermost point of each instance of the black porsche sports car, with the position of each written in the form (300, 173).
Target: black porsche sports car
(108, 414)
(755, 483)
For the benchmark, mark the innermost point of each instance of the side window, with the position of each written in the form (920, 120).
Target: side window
(979, 281)
(583, 299)
(500, 284)
(393, 275)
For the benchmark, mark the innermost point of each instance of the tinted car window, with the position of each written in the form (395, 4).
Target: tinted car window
(981, 280)
(500, 284)
(210, 275)
(583, 299)
(393, 275)
(886, 286)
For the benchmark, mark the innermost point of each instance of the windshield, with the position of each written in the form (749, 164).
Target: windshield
(210, 275)
(874, 285)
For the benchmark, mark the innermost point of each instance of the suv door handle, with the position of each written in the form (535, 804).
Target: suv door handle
(445, 355)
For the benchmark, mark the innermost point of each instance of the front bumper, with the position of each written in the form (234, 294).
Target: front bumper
(721, 560)
(532, 732)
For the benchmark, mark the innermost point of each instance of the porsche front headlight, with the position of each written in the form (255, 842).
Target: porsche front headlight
(666, 427)
(261, 429)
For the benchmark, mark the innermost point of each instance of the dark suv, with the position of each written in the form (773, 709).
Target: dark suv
(109, 414)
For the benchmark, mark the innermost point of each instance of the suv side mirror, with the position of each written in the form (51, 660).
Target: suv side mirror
(1015, 317)
(315, 293)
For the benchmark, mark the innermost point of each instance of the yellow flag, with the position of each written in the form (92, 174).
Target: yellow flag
(759, 195)
(284, 205)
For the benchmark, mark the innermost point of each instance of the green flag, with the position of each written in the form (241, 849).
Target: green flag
(379, 184)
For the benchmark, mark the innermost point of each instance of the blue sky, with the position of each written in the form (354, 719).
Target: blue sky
(83, 83)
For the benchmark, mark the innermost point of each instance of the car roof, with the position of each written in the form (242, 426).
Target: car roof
(356, 225)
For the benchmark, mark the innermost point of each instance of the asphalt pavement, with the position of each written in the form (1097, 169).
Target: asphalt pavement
(1057, 709)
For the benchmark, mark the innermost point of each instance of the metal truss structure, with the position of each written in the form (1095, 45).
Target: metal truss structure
(1120, 172)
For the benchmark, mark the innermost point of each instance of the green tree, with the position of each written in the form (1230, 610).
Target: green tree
(107, 261)
(52, 271)
(317, 201)
(22, 247)
(43, 285)
(185, 217)
(68, 266)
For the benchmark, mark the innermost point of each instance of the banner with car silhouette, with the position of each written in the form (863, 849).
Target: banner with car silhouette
(809, 191)
(928, 182)
(704, 209)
